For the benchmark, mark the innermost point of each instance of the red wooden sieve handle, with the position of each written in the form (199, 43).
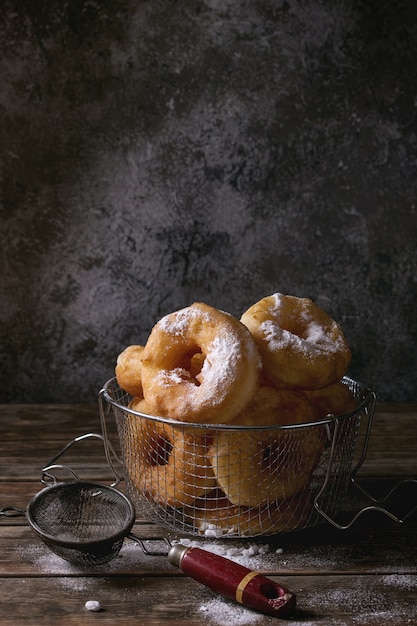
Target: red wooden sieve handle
(234, 581)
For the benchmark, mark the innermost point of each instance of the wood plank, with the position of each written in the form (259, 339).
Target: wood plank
(392, 449)
(395, 409)
(23, 460)
(365, 549)
(19, 422)
(331, 600)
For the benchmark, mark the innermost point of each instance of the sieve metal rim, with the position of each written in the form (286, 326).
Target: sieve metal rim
(365, 394)
(47, 537)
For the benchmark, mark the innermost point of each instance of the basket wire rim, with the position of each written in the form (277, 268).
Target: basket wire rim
(365, 393)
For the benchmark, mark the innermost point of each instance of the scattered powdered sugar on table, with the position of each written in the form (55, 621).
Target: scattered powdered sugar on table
(405, 581)
(364, 603)
(49, 563)
(222, 612)
(252, 555)
(219, 610)
(131, 556)
(46, 561)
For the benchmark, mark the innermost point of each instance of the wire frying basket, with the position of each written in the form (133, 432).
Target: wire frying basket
(237, 481)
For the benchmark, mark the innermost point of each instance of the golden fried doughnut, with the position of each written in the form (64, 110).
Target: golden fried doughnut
(215, 514)
(128, 370)
(256, 467)
(276, 407)
(163, 462)
(336, 399)
(301, 346)
(229, 373)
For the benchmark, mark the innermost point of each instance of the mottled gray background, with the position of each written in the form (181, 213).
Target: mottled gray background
(154, 153)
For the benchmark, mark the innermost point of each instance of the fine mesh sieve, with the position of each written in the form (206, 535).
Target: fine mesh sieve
(82, 522)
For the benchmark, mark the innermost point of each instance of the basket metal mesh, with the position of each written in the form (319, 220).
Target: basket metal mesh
(179, 473)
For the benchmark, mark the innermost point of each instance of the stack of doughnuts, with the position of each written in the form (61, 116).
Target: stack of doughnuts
(224, 420)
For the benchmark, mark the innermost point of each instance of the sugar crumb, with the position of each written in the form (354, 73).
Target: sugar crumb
(93, 605)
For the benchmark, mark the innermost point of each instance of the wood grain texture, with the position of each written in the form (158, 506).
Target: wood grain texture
(331, 600)
(366, 575)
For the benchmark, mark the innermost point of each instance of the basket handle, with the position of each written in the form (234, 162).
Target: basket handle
(53, 465)
(108, 448)
(375, 503)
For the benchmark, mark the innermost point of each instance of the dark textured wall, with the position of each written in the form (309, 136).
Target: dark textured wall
(154, 153)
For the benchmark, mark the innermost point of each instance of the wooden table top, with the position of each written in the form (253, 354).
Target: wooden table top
(365, 575)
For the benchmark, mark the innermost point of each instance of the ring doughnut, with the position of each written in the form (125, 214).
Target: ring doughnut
(336, 399)
(230, 366)
(128, 370)
(254, 467)
(163, 462)
(215, 515)
(300, 344)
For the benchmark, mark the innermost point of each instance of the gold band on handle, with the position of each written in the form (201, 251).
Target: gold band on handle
(243, 584)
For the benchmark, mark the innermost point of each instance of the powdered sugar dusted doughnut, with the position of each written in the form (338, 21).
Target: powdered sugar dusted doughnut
(227, 375)
(300, 344)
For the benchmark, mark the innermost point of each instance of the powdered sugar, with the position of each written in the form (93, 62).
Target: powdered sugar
(316, 340)
(251, 555)
(178, 323)
(366, 600)
(276, 301)
(361, 604)
(214, 379)
(275, 336)
(49, 563)
(220, 611)
(175, 376)
(404, 581)
(131, 557)
(315, 333)
(93, 605)
(222, 357)
(313, 337)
